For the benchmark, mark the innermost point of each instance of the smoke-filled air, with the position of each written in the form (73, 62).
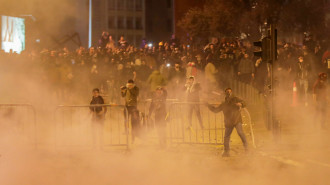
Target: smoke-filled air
(141, 92)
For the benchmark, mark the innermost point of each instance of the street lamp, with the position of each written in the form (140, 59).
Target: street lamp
(90, 24)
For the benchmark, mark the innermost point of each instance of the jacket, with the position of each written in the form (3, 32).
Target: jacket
(231, 112)
(210, 72)
(158, 104)
(156, 79)
(130, 96)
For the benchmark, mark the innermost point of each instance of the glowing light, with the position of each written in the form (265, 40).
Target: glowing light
(13, 34)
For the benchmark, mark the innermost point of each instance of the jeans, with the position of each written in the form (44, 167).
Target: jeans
(229, 130)
(198, 114)
(135, 120)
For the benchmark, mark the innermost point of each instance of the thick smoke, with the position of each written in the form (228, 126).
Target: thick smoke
(22, 163)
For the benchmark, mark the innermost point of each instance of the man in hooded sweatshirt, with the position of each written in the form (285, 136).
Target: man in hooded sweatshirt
(232, 117)
(155, 80)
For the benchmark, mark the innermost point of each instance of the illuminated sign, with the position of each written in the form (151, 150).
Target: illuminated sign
(12, 34)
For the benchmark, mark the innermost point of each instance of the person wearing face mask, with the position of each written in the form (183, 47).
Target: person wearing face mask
(232, 117)
(192, 89)
(130, 92)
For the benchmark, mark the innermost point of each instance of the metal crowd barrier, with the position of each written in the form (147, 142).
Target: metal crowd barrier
(247, 92)
(180, 132)
(74, 125)
(248, 126)
(143, 107)
(18, 124)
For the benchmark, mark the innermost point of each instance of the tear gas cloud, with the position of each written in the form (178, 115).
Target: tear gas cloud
(22, 163)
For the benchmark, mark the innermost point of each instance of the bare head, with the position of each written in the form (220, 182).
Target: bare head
(96, 92)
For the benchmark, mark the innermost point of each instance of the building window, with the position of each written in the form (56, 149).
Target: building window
(120, 23)
(129, 23)
(130, 4)
(138, 23)
(112, 4)
(138, 5)
(111, 22)
(121, 4)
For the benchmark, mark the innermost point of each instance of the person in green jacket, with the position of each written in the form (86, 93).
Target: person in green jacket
(155, 80)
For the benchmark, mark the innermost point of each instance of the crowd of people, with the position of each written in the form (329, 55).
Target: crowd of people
(123, 73)
(169, 64)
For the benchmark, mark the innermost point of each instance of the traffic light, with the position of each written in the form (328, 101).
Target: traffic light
(268, 46)
(265, 49)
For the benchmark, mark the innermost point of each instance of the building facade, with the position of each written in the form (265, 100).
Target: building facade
(159, 20)
(120, 18)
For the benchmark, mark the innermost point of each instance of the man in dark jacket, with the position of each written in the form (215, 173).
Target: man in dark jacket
(232, 118)
(98, 115)
(176, 80)
(130, 92)
(158, 106)
(246, 69)
(192, 90)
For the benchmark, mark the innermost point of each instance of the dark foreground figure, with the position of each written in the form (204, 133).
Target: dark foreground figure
(192, 89)
(130, 92)
(232, 118)
(158, 106)
(98, 115)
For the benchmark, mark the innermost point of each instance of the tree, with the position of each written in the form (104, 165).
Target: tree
(196, 23)
(231, 18)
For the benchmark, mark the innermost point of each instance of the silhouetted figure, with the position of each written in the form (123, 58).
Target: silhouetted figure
(98, 116)
(130, 92)
(232, 118)
(158, 106)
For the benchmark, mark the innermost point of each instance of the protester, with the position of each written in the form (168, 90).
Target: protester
(231, 108)
(98, 116)
(193, 89)
(131, 92)
(158, 106)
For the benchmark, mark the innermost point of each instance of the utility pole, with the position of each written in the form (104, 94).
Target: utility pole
(268, 53)
(90, 17)
(276, 124)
